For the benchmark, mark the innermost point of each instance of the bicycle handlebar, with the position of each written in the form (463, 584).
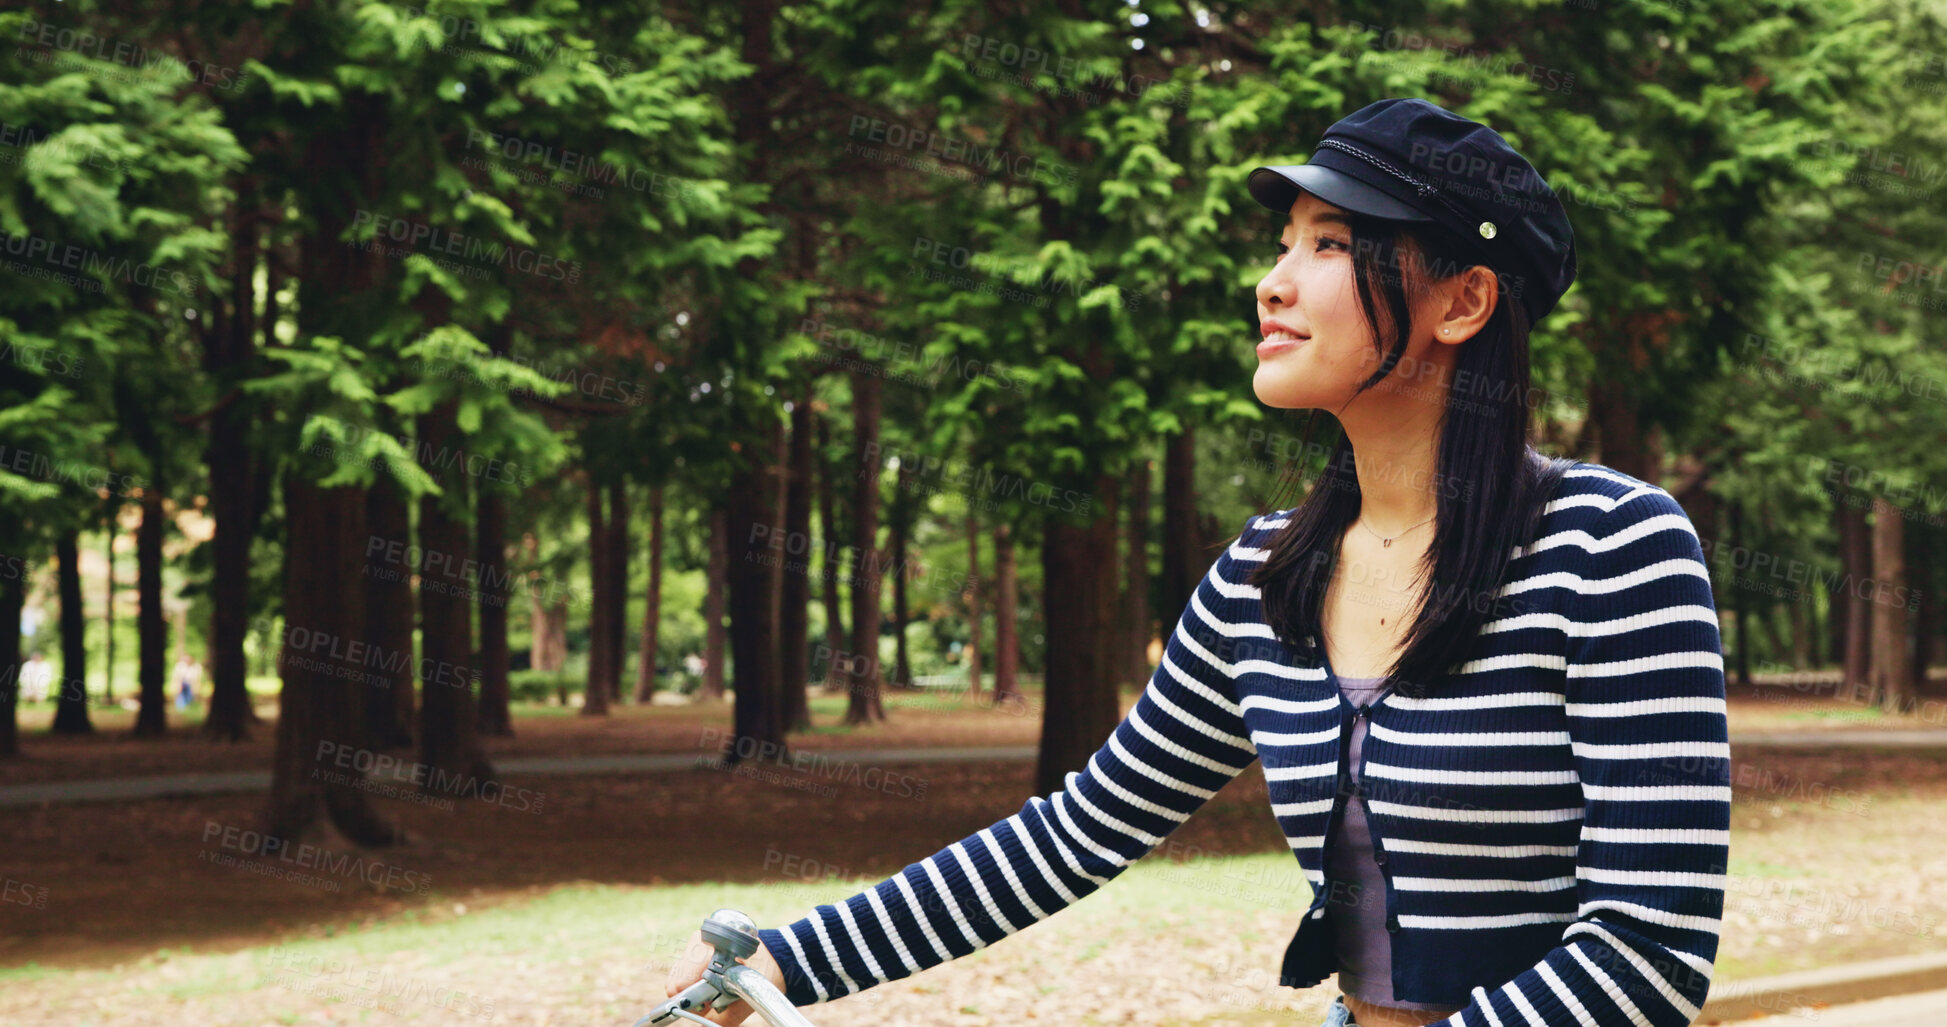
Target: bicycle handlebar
(725, 980)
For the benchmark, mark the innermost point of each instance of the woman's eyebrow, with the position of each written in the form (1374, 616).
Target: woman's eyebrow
(1328, 217)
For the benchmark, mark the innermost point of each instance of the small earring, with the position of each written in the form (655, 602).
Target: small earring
(1443, 331)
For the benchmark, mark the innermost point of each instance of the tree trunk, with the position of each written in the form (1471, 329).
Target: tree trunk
(1777, 652)
(645, 670)
(326, 532)
(714, 603)
(1802, 633)
(13, 596)
(151, 629)
(1622, 439)
(493, 595)
(546, 647)
(900, 529)
(1920, 578)
(556, 625)
(1109, 600)
(1835, 593)
(449, 739)
(71, 707)
(1926, 607)
(1135, 595)
(389, 616)
(1181, 555)
(227, 356)
(1740, 604)
(1892, 664)
(596, 693)
(108, 604)
(971, 596)
(1808, 631)
(1856, 562)
(1082, 706)
(495, 590)
(758, 717)
(230, 713)
(617, 620)
(1007, 648)
(794, 595)
(863, 704)
(320, 708)
(828, 565)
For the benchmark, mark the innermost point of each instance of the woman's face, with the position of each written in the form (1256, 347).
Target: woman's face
(1317, 346)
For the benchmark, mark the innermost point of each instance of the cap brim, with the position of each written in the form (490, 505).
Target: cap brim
(1278, 187)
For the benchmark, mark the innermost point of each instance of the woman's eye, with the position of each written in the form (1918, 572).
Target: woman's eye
(1327, 242)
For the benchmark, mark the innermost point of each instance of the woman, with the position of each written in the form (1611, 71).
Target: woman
(1486, 688)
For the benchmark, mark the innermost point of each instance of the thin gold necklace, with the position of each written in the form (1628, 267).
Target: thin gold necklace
(1383, 540)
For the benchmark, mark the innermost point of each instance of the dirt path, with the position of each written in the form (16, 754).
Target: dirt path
(1787, 707)
(1831, 852)
(916, 720)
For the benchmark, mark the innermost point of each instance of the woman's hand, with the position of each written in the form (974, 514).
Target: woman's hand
(689, 969)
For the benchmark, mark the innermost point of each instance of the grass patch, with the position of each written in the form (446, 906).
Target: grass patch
(1840, 716)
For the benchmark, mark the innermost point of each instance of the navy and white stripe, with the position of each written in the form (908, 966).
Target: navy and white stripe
(1556, 813)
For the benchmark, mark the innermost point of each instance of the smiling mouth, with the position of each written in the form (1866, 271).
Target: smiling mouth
(1277, 337)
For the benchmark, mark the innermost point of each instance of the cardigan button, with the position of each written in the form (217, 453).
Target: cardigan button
(1379, 855)
(1392, 925)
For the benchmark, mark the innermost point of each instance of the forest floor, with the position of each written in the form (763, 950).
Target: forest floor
(918, 719)
(1773, 704)
(565, 900)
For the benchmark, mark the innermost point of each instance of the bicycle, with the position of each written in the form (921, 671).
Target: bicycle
(725, 980)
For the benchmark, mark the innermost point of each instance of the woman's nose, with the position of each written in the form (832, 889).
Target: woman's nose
(1275, 288)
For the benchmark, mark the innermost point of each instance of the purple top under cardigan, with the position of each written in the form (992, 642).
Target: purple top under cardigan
(1357, 906)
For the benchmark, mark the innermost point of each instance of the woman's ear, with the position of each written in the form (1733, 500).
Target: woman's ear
(1469, 299)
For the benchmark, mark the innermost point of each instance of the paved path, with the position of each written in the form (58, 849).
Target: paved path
(169, 785)
(1926, 1009)
(1921, 738)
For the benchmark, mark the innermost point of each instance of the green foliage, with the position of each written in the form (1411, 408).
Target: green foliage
(672, 245)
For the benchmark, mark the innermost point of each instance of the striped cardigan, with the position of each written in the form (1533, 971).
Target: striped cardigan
(1553, 819)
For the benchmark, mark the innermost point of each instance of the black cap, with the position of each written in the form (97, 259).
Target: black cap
(1409, 160)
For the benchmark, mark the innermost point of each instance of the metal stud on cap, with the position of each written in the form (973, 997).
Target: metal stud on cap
(1488, 230)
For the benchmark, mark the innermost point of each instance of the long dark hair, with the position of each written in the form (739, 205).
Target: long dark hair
(1492, 486)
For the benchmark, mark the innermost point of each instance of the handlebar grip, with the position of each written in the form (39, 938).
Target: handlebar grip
(697, 997)
(734, 936)
(753, 987)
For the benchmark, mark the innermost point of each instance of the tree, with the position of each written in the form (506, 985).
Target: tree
(114, 174)
(794, 600)
(716, 604)
(449, 738)
(829, 561)
(645, 675)
(321, 703)
(391, 708)
(601, 606)
(71, 707)
(1135, 589)
(151, 628)
(13, 595)
(1890, 680)
(616, 567)
(492, 595)
(971, 597)
(1007, 651)
(863, 704)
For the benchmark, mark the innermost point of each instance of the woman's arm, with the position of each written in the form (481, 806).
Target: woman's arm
(1646, 722)
(1183, 740)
